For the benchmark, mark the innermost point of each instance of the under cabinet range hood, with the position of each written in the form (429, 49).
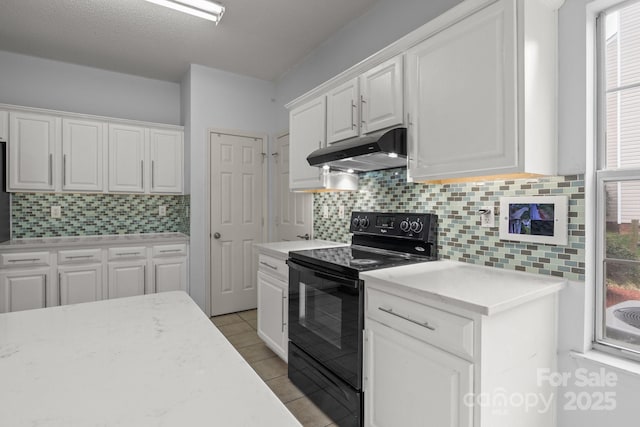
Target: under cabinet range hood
(383, 150)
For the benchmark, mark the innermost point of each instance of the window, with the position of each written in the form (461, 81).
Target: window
(618, 181)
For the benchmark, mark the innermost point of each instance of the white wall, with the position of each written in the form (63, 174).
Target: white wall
(218, 100)
(43, 83)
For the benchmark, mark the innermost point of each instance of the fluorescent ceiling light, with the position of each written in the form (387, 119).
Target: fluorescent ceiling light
(201, 8)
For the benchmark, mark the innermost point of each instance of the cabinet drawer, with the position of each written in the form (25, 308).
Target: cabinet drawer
(79, 255)
(436, 327)
(273, 266)
(24, 259)
(127, 252)
(170, 250)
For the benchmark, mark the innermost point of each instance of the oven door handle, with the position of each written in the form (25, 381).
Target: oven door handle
(351, 283)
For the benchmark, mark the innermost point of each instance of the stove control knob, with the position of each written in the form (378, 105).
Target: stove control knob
(404, 226)
(355, 222)
(416, 226)
(364, 222)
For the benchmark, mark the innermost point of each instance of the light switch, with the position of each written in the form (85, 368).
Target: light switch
(162, 211)
(325, 211)
(341, 211)
(56, 212)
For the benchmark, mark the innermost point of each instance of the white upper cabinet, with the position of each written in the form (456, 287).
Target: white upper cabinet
(342, 112)
(33, 143)
(82, 155)
(4, 126)
(474, 111)
(367, 103)
(381, 96)
(127, 148)
(307, 125)
(166, 161)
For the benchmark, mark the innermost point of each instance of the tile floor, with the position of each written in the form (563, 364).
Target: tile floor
(240, 330)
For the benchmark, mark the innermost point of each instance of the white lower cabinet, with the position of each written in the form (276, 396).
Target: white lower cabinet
(24, 289)
(80, 283)
(408, 382)
(169, 274)
(127, 278)
(272, 313)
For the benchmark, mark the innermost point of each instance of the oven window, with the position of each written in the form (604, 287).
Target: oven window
(321, 313)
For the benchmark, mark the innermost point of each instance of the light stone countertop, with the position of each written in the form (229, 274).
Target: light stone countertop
(281, 250)
(483, 290)
(152, 360)
(92, 241)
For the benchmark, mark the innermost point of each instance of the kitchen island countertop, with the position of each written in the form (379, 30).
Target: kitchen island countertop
(152, 360)
(479, 289)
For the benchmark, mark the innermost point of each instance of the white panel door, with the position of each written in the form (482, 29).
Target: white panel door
(236, 221)
(33, 143)
(127, 148)
(166, 161)
(127, 278)
(23, 289)
(294, 210)
(342, 112)
(272, 313)
(381, 96)
(463, 110)
(80, 283)
(397, 370)
(169, 274)
(82, 155)
(4, 126)
(307, 132)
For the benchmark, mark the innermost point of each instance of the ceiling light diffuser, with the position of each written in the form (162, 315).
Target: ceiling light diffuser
(201, 8)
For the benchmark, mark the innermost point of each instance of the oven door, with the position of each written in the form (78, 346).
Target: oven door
(325, 319)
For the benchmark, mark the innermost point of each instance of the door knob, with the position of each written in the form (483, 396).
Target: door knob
(216, 235)
(305, 237)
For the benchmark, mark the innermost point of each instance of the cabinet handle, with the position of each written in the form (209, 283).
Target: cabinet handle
(409, 119)
(80, 256)
(353, 121)
(170, 250)
(59, 288)
(25, 260)
(268, 265)
(127, 253)
(50, 169)
(362, 102)
(393, 313)
(155, 278)
(284, 299)
(152, 173)
(144, 279)
(64, 169)
(142, 173)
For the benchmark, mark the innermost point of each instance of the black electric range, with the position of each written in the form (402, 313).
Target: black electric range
(326, 305)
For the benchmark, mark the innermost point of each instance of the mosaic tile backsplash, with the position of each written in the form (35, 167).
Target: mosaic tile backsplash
(96, 214)
(460, 236)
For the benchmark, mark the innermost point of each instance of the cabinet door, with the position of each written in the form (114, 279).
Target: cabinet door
(166, 161)
(381, 96)
(170, 274)
(342, 112)
(127, 158)
(272, 313)
(33, 139)
(307, 133)
(79, 283)
(82, 155)
(4, 126)
(127, 278)
(23, 289)
(462, 88)
(411, 383)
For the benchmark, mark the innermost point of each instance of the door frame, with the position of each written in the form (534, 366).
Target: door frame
(207, 196)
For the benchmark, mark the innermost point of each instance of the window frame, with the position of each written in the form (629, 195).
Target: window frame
(604, 175)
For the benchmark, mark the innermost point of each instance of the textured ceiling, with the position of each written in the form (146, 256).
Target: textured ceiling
(260, 38)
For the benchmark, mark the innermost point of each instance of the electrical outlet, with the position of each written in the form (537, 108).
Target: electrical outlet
(162, 211)
(56, 212)
(325, 211)
(341, 211)
(487, 219)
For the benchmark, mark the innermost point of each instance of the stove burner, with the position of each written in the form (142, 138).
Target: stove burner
(363, 262)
